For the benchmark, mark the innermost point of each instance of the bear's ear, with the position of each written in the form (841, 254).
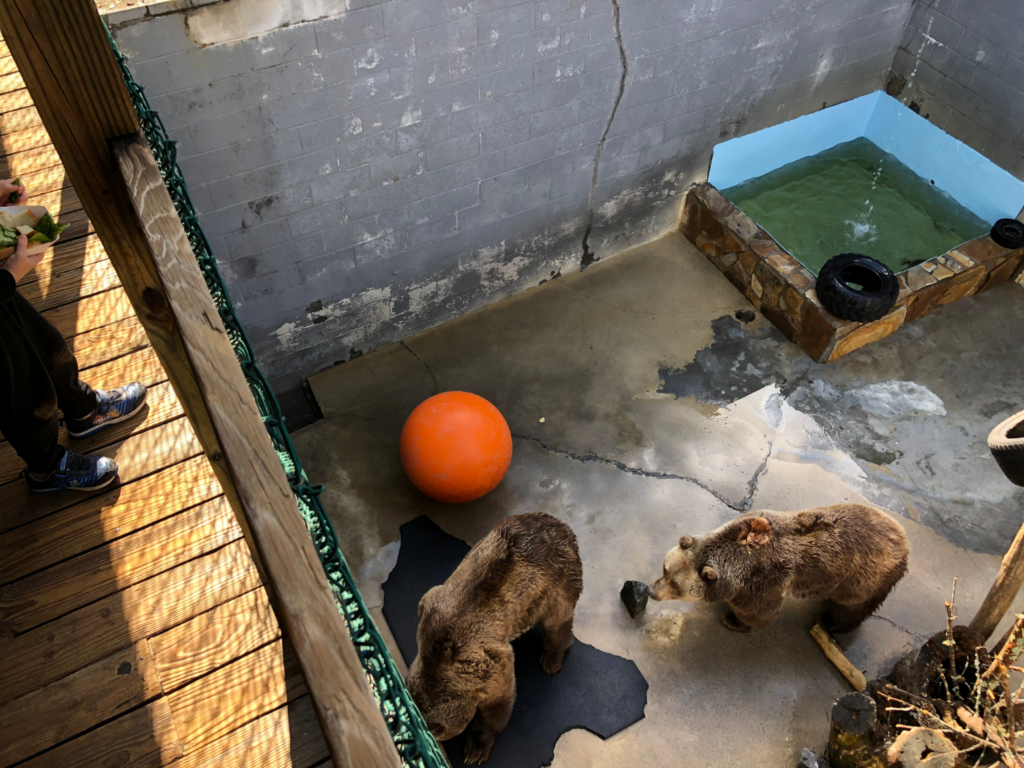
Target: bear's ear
(686, 542)
(755, 532)
(708, 573)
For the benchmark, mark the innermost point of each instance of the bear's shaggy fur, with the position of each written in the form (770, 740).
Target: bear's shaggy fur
(524, 572)
(849, 553)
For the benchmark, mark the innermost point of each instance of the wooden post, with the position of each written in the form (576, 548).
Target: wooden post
(1001, 596)
(63, 55)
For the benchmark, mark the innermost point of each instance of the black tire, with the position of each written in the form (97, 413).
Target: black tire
(1008, 233)
(856, 287)
(1006, 442)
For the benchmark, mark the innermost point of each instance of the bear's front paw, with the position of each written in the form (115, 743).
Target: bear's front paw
(551, 662)
(729, 621)
(478, 748)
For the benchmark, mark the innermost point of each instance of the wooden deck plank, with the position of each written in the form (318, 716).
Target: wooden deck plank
(139, 456)
(7, 63)
(81, 638)
(161, 406)
(20, 119)
(11, 81)
(70, 285)
(60, 711)
(215, 705)
(288, 737)
(143, 738)
(27, 164)
(213, 639)
(104, 518)
(93, 575)
(15, 100)
(29, 136)
(65, 256)
(90, 313)
(43, 180)
(108, 343)
(59, 202)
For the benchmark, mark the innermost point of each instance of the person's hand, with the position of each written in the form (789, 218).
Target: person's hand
(8, 187)
(20, 263)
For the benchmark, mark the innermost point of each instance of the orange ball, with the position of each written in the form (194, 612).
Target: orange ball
(456, 447)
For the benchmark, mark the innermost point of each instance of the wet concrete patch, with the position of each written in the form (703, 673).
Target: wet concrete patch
(914, 409)
(739, 361)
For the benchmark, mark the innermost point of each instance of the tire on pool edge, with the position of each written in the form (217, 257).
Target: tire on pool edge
(867, 304)
(1008, 233)
(1006, 442)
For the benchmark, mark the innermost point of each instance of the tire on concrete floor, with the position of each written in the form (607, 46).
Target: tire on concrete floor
(1006, 442)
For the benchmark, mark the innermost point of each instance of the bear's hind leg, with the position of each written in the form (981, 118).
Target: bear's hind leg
(557, 636)
(846, 617)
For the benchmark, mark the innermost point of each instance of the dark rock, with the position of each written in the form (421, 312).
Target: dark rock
(634, 596)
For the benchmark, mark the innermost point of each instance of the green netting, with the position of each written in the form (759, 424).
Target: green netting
(414, 742)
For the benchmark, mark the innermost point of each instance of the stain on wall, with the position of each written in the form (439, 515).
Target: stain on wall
(961, 64)
(369, 169)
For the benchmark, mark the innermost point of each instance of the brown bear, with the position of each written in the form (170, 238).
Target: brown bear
(849, 553)
(524, 572)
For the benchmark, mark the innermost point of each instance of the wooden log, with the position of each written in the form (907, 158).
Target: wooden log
(835, 654)
(922, 748)
(855, 737)
(1000, 597)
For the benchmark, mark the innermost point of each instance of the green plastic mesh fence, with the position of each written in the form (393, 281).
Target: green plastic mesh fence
(415, 745)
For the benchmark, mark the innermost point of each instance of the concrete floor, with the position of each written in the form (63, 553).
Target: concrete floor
(664, 414)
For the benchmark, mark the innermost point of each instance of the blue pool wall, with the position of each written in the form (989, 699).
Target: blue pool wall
(971, 179)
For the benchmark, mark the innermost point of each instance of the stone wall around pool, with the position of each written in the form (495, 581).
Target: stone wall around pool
(784, 290)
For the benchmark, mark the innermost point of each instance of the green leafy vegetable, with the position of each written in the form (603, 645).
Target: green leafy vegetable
(47, 230)
(8, 237)
(14, 195)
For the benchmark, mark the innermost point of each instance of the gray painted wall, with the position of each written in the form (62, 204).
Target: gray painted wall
(963, 62)
(369, 174)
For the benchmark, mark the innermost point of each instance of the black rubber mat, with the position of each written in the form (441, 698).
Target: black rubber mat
(595, 690)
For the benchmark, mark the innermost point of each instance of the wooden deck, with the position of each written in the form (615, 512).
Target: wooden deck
(134, 630)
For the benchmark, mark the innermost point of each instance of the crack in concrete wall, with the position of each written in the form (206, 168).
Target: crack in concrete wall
(588, 255)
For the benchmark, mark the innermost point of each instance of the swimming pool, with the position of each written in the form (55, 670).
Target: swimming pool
(868, 176)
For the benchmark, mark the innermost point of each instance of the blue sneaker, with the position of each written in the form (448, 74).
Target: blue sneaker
(76, 473)
(112, 406)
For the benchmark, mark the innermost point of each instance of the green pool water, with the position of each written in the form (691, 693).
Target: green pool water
(855, 198)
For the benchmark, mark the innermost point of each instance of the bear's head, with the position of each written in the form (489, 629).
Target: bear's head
(450, 674)
(684, 577)
(696, 569)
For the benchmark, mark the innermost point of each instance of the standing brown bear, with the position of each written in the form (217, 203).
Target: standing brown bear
(851, 554)
(524, 572)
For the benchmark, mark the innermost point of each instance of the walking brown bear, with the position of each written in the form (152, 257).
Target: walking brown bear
(524, 572)
(849, 553)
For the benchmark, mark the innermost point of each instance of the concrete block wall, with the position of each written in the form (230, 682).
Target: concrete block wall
(961, 63)
(387, 166)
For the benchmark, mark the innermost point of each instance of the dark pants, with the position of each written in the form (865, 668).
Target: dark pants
(38, 375)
